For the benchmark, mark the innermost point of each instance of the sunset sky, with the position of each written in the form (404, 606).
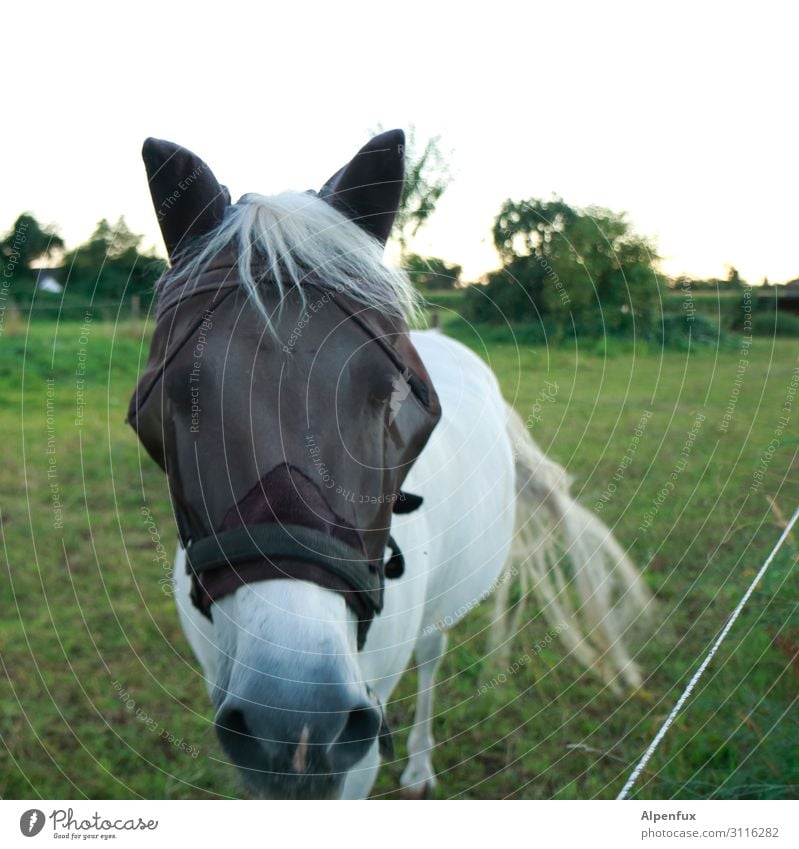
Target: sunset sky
(684, 116)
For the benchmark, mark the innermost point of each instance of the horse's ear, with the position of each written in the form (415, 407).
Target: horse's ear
(368, 190)
(188, 200)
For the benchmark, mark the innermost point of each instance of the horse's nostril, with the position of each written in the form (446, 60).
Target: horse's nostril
(233, 722)
(362, 724)
(238, 740)
(356, 738)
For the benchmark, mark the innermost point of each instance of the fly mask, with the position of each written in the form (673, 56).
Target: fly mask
(285, 442)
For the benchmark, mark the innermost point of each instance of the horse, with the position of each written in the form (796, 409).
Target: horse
(345, 489)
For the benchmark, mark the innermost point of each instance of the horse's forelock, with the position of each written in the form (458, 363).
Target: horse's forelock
(288, 239)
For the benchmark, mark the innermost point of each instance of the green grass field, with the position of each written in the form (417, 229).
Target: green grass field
(100, 697)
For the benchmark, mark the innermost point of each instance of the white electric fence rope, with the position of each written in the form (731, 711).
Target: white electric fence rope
(639, 767)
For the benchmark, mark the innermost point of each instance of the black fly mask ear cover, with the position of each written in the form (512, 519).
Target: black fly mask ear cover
(283, 462)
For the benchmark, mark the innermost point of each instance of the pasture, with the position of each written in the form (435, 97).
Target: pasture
(688, 455)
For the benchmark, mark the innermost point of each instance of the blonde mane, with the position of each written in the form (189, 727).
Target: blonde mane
(287, 239)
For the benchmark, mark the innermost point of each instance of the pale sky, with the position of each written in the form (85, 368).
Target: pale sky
(683, 115)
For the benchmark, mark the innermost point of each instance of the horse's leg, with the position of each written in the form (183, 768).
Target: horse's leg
(418, 780)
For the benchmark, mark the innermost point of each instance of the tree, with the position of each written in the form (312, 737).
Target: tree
(581, 269)
(426, 179)
(28, 241)
(733, 277)
(109, 264)
(431, 273)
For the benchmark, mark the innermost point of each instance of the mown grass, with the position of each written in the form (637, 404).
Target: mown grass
(100, 697)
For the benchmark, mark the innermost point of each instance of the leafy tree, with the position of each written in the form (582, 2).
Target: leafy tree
(426, 179)
(734, 278)
(432, 273)
(110, 265)
(572, 269)
(28, 242)
(711, 284)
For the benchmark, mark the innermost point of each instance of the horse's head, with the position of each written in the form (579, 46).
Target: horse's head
(286, 403)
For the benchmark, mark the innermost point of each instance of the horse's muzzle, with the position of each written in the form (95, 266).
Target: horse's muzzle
(295, 754)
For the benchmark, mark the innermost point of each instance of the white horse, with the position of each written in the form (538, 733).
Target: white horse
(495, 511)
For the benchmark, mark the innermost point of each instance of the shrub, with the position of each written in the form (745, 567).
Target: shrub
(773, 323)
(679, 330)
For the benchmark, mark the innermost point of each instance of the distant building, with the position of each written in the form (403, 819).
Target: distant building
(47, 280)
(786, 296)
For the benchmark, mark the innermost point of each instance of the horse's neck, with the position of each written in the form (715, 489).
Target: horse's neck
(456, 545)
